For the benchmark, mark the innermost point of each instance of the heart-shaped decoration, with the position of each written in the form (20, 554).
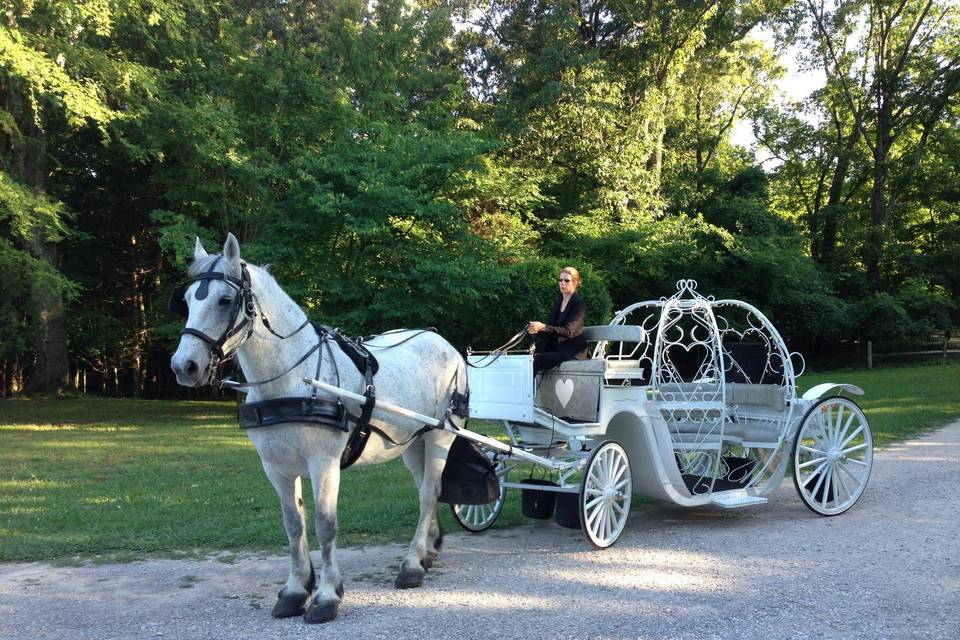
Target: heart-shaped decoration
(564, 391)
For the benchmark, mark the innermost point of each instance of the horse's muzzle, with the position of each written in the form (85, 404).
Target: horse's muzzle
(189, 372)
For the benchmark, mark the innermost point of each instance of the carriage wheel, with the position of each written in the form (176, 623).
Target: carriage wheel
(832, 456)
(605, 493)
(480, 517)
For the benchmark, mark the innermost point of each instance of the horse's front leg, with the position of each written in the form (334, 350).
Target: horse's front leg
(301, 580)
(326, 487)
(426, 460)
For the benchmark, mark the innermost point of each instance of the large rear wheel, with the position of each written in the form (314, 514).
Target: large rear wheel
(832, 456)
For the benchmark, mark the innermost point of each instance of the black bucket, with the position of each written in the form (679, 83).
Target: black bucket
(568, 510)
(537, 503)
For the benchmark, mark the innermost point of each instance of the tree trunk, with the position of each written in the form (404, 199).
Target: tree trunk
(51, 370)
(139, 320)
(831, 213)
(879, 207)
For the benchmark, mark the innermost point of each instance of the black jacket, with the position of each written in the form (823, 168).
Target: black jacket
(564, 329)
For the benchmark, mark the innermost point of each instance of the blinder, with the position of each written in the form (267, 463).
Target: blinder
(244, 299)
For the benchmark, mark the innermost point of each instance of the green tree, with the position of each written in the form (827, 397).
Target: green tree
(906, 54)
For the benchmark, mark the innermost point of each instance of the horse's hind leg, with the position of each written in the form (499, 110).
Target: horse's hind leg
(326, 488)
(425, 459)
(413, 458)
(302, 579)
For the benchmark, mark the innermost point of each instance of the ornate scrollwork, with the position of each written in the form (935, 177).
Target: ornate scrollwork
(715, 364)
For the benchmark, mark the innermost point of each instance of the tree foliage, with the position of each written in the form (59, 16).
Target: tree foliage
(435, 162)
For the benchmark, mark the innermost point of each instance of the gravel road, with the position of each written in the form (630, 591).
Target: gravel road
(888, 568)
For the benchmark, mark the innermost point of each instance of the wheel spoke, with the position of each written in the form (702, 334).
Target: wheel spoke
(838, 483)
(836, 424)
(812, 450)
(822, 425)
(811, 462)
(843, 467)
(592, 516)
(813, 475)
(846, 428)
(851, 437)
(819, 481)
(621, 469)
(856, 448)
(607, 466)
(826, 488)
(611, 522)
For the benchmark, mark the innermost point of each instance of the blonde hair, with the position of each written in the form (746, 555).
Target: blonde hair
(574, 275)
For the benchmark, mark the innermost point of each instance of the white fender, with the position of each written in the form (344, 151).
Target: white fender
(822, 389)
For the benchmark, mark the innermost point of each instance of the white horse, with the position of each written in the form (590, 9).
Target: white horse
(270, 335)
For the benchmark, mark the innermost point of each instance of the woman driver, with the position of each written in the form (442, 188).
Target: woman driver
(564, 326)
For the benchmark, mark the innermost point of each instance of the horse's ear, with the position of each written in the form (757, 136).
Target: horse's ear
(198, 250)
(231, 251)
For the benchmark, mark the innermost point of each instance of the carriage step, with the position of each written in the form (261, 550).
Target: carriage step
(736, 499)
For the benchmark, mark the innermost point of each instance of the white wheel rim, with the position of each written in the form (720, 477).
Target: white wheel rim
(833, 456)
(477, 517)
(605, 500)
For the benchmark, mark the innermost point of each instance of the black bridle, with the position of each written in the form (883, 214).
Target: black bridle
(242, 311)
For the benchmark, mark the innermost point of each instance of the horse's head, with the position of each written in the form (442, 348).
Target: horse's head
(218, 306)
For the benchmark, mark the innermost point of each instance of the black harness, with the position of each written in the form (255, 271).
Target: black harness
(312, 410)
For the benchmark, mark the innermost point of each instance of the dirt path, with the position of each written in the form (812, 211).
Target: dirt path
(889, 568)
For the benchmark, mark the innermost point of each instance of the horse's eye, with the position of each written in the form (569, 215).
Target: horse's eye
(225, 301)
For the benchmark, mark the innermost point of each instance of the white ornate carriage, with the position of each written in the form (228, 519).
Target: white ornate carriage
(686, 399)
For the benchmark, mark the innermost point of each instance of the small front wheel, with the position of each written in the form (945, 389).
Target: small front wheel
(480, 517)
(832, 456)
(605, 493)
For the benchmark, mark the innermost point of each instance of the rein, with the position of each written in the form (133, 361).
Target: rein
(499, 351)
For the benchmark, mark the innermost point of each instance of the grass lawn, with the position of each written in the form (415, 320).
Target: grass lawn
(120, 478)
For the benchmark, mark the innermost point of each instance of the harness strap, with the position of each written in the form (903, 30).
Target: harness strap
(252, 415)
(361, 433)
(231, 384)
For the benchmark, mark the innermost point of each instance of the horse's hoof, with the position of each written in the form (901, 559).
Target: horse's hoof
(289, 606)
(409, 579)
(320, 612)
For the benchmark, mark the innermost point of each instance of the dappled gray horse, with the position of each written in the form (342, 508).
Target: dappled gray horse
(237, 308)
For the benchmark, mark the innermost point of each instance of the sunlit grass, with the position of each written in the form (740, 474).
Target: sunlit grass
(901, 402)
(80, 477)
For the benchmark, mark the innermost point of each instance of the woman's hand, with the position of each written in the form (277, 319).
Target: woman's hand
(535, 327)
